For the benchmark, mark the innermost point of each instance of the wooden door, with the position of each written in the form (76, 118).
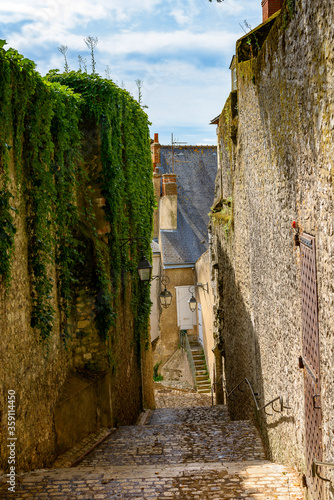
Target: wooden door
(311, 362)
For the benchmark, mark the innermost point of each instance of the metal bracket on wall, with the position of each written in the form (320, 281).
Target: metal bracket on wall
(314, 402)
(259, 408)
(317, 464)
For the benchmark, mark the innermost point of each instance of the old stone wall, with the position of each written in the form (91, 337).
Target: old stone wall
(36, 371)
(276, 167)
(109, 360)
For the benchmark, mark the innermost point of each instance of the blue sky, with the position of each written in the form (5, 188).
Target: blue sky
(180, 50)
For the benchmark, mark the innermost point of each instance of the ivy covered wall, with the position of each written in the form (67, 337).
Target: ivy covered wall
(75, 184)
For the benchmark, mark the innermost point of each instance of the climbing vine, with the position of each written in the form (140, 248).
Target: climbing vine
(46, 169)
(125, 181)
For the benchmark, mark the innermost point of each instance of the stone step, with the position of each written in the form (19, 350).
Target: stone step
(198, 352)
(259, 479)
(199, 361)
(203, 386)
(202, 377)
(183, 452)
(195, 345)
(182, 415)
(198, 355)
(202, 373)
(175, 443)
(200, 367)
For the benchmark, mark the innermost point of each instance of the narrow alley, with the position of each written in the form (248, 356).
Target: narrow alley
(185, 449)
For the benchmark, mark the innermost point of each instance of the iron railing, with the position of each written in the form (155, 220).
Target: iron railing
(184, 343)
(317, 464)
(254, 395)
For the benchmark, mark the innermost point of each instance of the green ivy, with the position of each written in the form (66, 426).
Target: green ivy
(7, 228)
(7, 232)
(44, 124)
(126, 184)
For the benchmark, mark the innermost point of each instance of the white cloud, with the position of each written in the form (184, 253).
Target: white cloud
(154, 42)
(180, 16)
(70, 12)
(50, 12)
(183, 95)
(181, 49)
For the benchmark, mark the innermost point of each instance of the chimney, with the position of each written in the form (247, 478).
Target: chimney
(168, 203)
(155, 152)
(269, 7)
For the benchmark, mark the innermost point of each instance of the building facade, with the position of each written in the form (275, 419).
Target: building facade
(184, 183)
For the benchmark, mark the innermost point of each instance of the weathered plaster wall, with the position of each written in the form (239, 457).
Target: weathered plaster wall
(177, 369)
(156, 288)
(276, 165)
(206, 299)
(84, 406)
(168, 342)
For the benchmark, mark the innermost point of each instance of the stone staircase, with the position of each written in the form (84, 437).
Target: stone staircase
(202, 376)
(188, 453)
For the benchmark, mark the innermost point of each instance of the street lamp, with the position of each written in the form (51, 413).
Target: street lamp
(144, 268)
(192, 301)
(165, 296)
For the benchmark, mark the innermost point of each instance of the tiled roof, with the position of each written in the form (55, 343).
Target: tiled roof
(155, 247)
(196, 168)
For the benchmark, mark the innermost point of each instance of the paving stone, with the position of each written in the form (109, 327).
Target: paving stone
(202, 456)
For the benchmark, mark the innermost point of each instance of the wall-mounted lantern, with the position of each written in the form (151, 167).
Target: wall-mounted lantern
(165, 296)
(144, 268)
(192, 301)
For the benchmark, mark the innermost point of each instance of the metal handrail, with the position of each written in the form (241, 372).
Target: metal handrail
(315, 466)
(259, 408)
(185, 345)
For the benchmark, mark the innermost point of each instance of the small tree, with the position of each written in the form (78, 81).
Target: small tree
(91, 43)
(139, 84)
(63, 50)
(108, 72)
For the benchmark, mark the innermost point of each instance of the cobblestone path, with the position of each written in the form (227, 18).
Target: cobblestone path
(180, 453)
